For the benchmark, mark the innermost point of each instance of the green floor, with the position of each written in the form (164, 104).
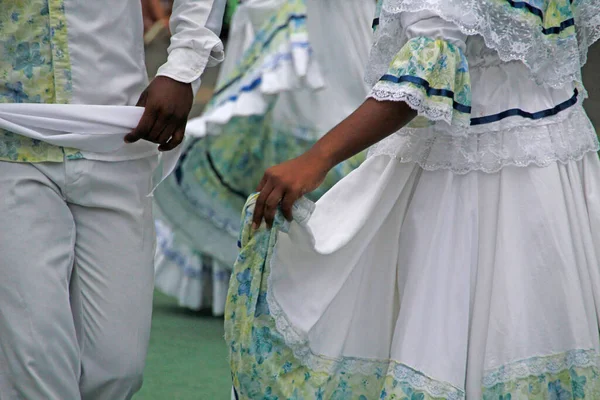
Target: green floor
(187, 358)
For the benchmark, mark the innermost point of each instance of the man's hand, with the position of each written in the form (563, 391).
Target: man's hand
(167, 104)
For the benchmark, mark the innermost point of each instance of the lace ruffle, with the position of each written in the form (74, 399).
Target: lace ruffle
(489, 151)
(587, 16)
(553, 45)
(414, 97)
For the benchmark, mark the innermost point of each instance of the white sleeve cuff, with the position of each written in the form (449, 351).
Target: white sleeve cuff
(187, 65)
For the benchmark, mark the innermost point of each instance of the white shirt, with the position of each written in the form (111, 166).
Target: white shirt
(106, 48)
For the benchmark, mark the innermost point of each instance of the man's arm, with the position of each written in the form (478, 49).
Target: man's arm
(195, 44)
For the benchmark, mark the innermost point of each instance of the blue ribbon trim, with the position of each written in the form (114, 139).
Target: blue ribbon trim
(558, 29)
(265, 44)
(517, 112)
(428, 89)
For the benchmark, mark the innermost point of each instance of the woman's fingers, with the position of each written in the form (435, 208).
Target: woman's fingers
(261, 185)
(272, 204)
(259, 207)
(287, 204)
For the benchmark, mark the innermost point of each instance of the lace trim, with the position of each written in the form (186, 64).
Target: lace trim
(416, 99)
(299, 344)
(419, 381)
(540, 145)
(587, 16)
(538, 366)
(552, 60)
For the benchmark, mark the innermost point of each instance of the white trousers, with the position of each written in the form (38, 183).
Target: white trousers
(76, 278)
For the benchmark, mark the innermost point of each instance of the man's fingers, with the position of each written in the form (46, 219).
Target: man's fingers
(167, 133)
(161, 124)
(175, 141)
(141, 131)
(142, 100)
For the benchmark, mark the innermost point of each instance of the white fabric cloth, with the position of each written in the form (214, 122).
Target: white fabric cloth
(106, 50)
(461, 274)
(426, 257)
(76, 278)
(91, 129)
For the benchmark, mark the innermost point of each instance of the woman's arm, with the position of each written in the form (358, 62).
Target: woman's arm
(427, 72)
(287, 182)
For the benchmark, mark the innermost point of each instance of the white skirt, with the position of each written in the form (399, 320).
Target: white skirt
(472, 286)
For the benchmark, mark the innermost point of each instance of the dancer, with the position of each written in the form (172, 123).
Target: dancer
(293, 71)
(77, 247)
(460, 260)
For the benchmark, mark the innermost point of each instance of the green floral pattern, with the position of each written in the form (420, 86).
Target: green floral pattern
(264, 365)
(569, 383)
(432, 76)
(34, 68)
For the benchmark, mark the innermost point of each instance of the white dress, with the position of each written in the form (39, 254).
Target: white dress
(459, 260)
(293, 71)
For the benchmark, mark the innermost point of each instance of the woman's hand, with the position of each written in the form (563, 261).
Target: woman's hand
(285, 183)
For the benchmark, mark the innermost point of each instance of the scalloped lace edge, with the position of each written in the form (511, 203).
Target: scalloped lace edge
(489, 152)
(417, 100)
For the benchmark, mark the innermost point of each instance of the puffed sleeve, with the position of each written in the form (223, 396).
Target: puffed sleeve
(429, 72)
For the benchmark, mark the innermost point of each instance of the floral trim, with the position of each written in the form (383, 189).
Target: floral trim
(432, 77)
(551, 41)
(566, 376)
(537, 366)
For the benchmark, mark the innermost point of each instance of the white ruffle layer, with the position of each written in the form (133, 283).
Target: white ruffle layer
(292, 67)
(568, 138)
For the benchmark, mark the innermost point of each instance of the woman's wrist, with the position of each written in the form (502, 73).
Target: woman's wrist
(321, 158)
